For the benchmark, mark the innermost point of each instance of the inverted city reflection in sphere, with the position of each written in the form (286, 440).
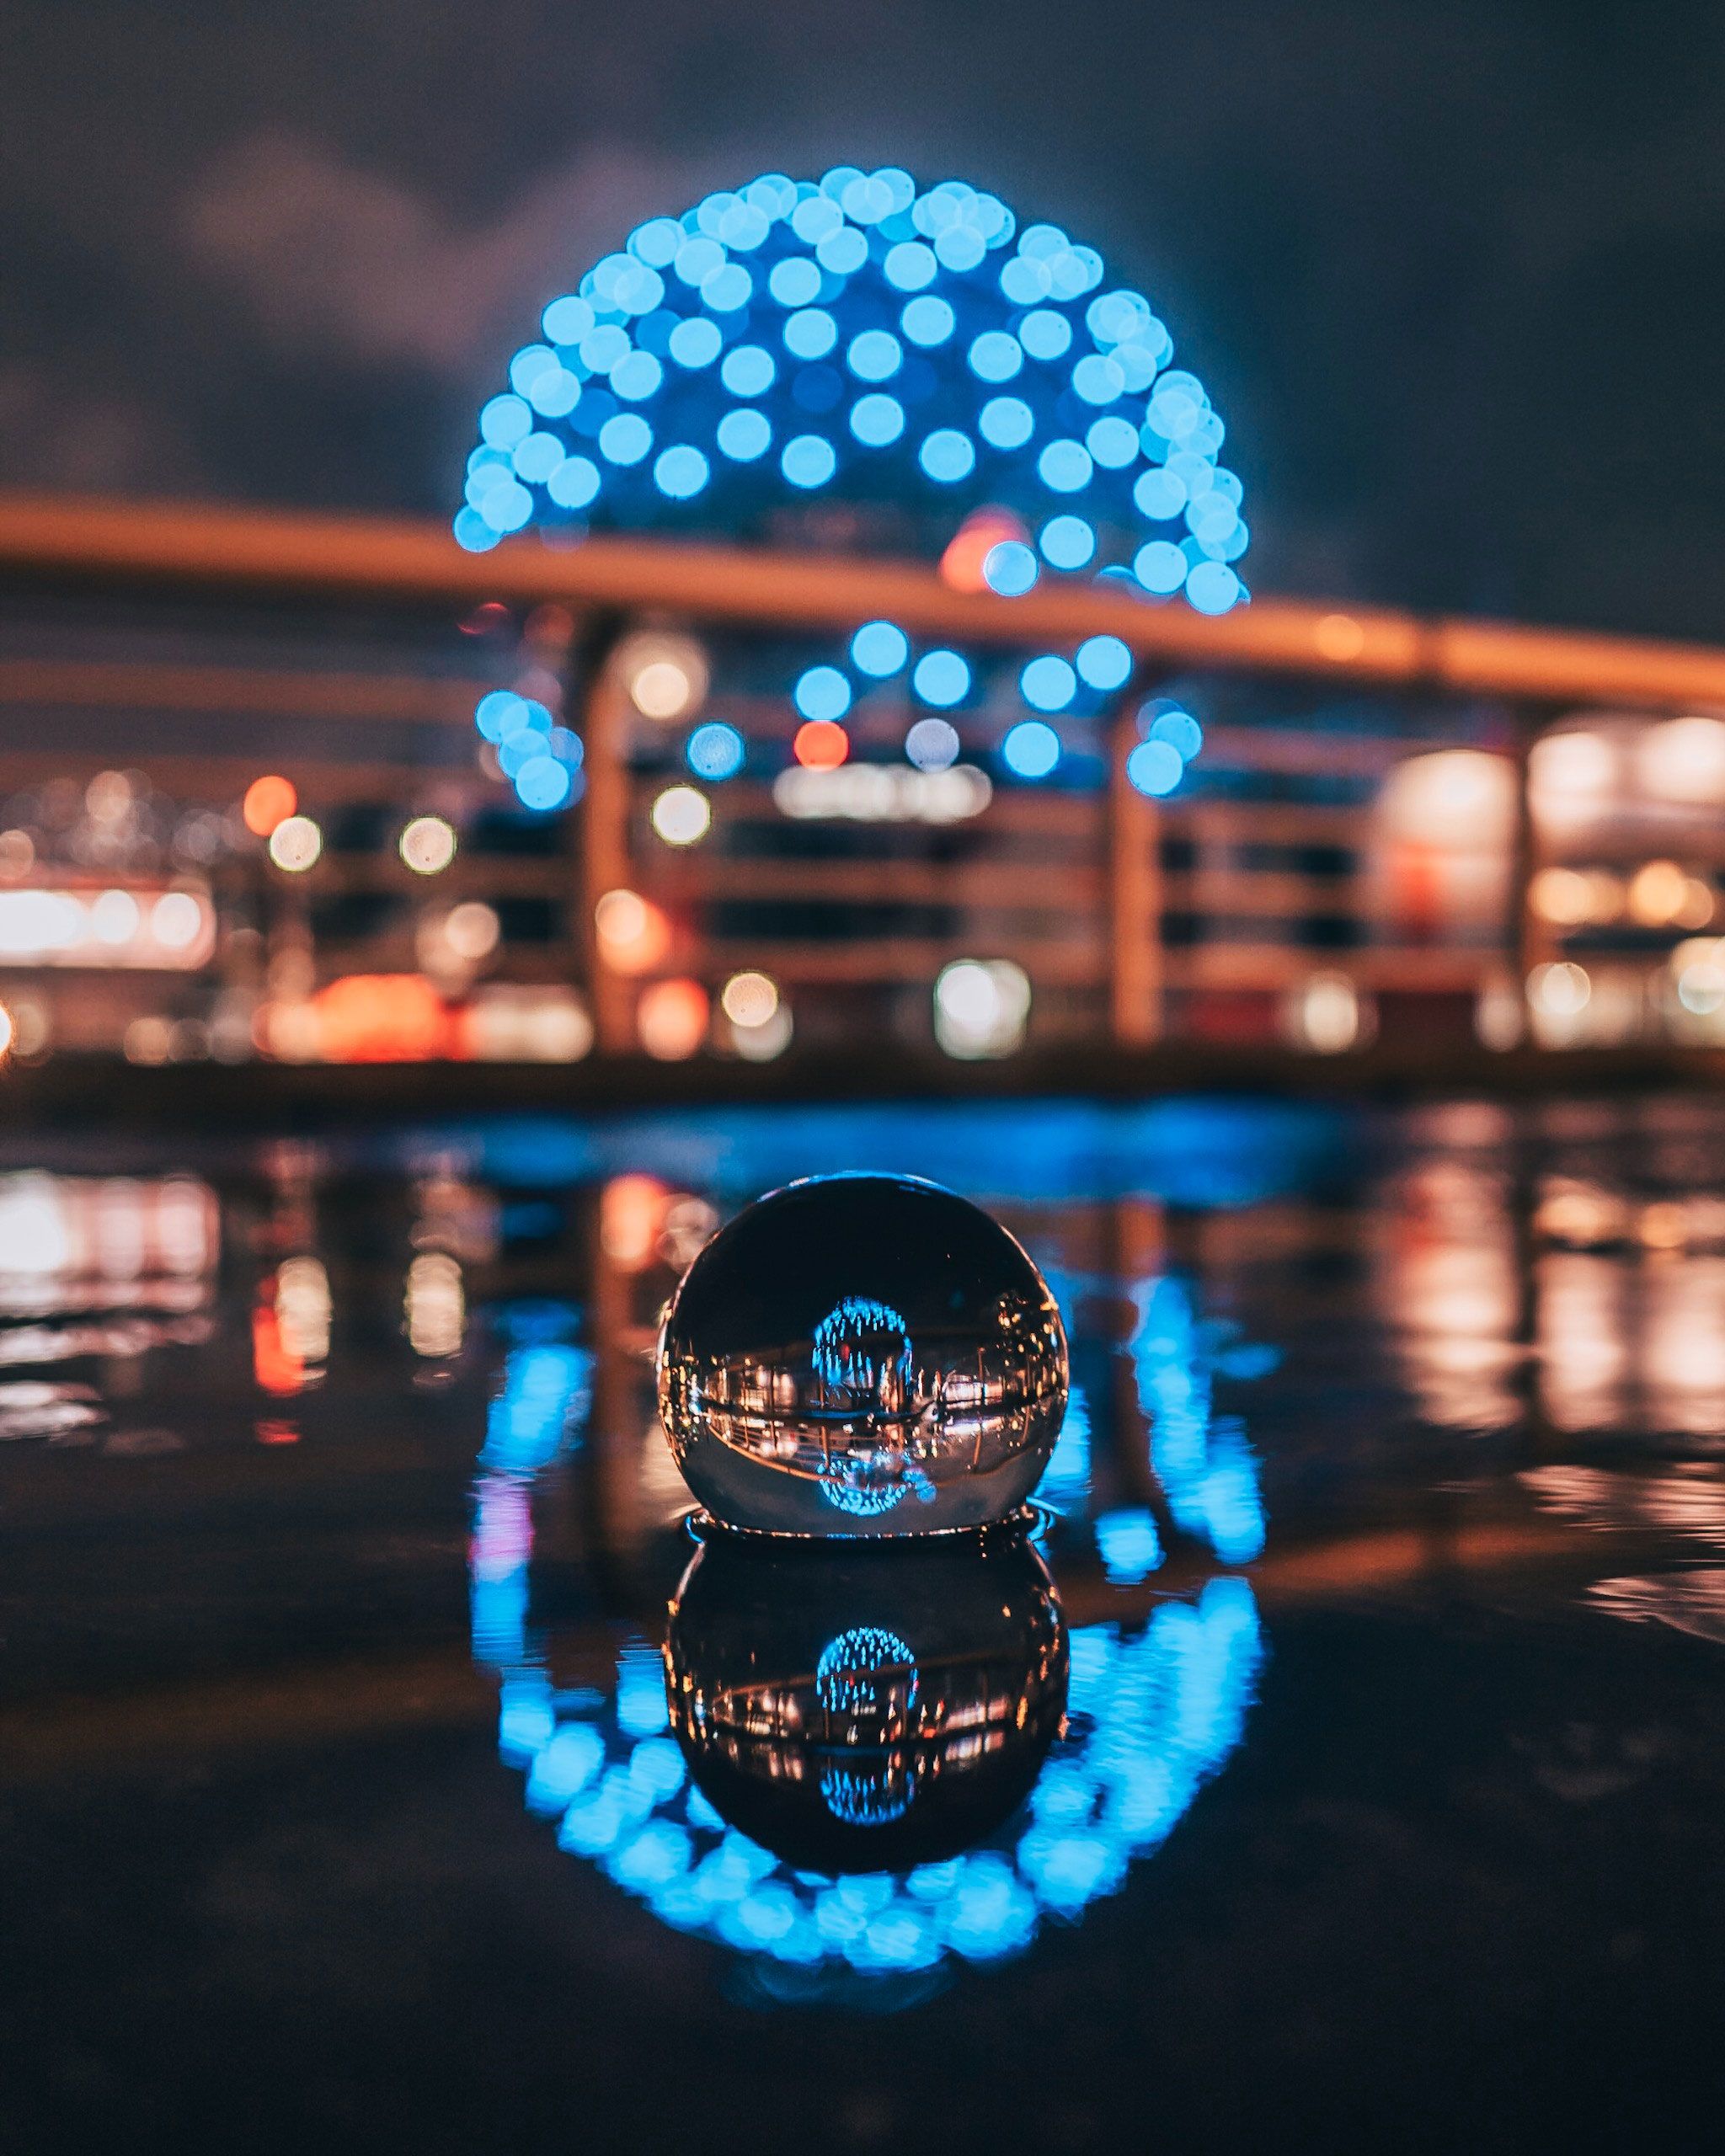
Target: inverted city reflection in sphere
(861, 1711)
(862, 1355)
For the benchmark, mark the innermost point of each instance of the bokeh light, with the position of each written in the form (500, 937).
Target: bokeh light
(1031, 749)
(671, 1019)
(858, 339)
(715, 751)
(295, 844)
(682, 816)
(820, 745)
(267, 802)
(428, 844)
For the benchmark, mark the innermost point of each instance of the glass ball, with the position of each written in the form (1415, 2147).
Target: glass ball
(862, 1355)
(866, 1710)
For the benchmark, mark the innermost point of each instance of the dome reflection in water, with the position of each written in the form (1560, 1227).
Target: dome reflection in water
(866, 1710)
(862, 1355)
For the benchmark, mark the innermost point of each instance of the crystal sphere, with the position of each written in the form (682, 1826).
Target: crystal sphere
(862, 1355)
(863, 1709)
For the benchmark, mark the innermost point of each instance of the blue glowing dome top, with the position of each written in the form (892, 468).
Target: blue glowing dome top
(856, 362)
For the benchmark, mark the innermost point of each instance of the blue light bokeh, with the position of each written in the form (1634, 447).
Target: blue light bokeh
(731, 303)
(860, 337)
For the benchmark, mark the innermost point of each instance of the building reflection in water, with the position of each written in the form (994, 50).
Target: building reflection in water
(94, 1269)
(1593, 1295)
(886, 1798)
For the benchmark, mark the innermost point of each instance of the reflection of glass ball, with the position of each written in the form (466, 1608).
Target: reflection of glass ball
(864, 1710)
(862, 1355)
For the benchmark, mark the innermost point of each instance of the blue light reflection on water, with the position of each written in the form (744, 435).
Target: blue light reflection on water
(1154, 1709)
(1186, 1152)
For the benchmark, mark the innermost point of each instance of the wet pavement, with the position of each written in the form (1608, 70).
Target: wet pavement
(1344, 1768)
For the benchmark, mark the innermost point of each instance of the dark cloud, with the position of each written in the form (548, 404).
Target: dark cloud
(1453, 275)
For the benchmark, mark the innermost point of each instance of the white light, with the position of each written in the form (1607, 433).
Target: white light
(510, 1024)
(7, 1031)
(1561, 990)
(177, 919)
(1684, 760)
(665, 675)
(294, 844)
(114, 917)
(436, 1304)
(682, 816)
(471, 930)
(428, 845)
(883, 793)
(1571, 777)
(981, 1007)
(1701, 987)
(1328, 1018)
(750, 1000)
(33, 923)
(761, 1043)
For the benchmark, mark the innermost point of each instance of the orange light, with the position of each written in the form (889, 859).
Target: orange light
(382, 1018)
(971, 545)
(633, 935)
(631, 1213)
(821, 744)
(672, 1018)
(269, 801)
(274, 1365)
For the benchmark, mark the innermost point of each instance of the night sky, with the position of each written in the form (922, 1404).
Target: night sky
(1453, 275)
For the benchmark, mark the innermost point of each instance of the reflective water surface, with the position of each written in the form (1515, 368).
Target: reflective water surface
(385, 1764)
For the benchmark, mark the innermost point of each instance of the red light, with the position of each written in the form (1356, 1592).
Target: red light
(486, 619)
(274, 1365)
(269, 801)
(821, 744)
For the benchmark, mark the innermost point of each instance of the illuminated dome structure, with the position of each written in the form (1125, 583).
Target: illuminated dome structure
(853, 364)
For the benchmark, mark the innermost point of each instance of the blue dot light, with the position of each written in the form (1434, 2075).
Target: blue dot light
(810, 333)
(876, 419)
(544, 783)
(680, 472)
(808, 461)
(1066, 467)
(625, 439)
(1031, 749)
(928, 321)
(1105, 663)
(1048, 684)
(879, 649)
(1159, 567)
(1155, 768)
(995, 357)
(1067, 542)
(822, 692)
(744, 435)
(941, 678)
(697, 343)
(1174, 724)
(1007, 421)
(874, 356)
(948, 456)
(1010, 567)
(715, 751)
(795, 281)
(748, 371)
